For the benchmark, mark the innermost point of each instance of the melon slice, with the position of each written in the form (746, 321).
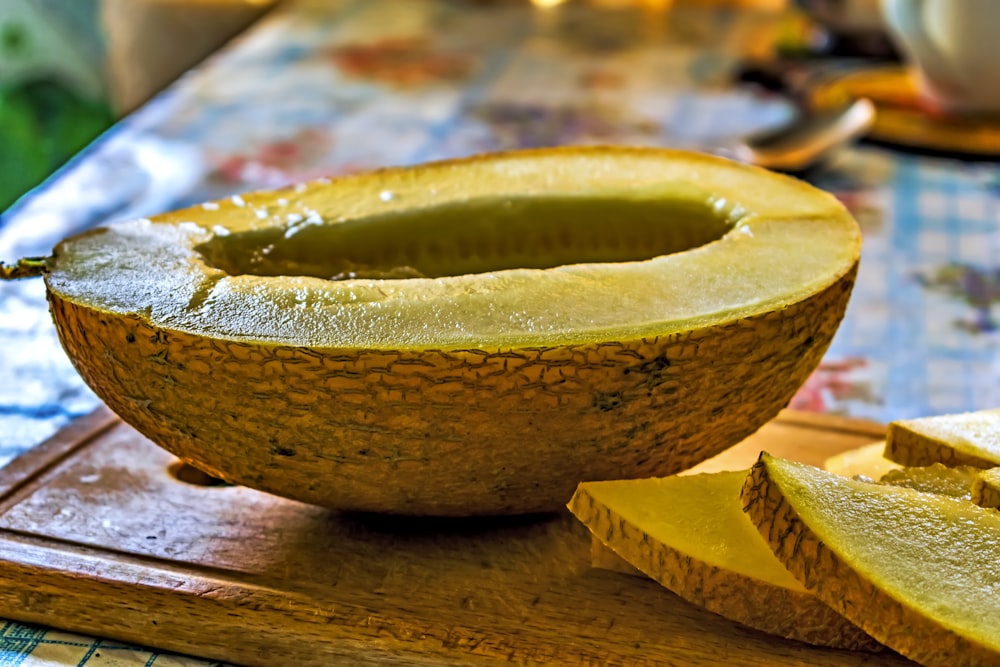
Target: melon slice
(986, 489)
(917, 571)
(467, 337)
(936, 478)
(603, 557)
(968, 438)
(866, 461)
(688, 533)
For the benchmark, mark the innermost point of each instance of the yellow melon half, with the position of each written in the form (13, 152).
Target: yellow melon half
(688, 533)
(917, 571)
(467, 337)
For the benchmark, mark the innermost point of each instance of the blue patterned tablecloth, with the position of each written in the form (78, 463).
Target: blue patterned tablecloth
(324, 88)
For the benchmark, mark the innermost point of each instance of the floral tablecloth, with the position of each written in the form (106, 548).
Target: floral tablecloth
(325, 88)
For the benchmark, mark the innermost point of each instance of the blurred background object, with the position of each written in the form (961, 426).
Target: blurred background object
(952, 49)
(69, 68)
(52, 94)
(152, 42)
(850, 27)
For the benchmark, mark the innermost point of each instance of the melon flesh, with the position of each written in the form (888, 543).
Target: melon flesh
(468, 337)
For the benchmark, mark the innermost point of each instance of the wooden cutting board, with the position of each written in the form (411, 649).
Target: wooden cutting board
(97, 535)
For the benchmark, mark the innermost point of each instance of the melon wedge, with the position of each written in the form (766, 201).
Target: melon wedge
(603, 557)
(986, 489)
(917, 571)
(936, 478)
(688, 533)
(868, 464)
(968, 438)
(467, 337)
(867, 461)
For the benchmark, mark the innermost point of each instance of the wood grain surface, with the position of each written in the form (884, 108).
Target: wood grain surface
(97, 536)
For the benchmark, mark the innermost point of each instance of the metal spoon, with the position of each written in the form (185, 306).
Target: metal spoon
(807, 139)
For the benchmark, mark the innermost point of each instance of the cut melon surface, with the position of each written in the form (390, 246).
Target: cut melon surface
(968, 438)
(917, 571)
(688, 533)
(626, 242)
(467, 337)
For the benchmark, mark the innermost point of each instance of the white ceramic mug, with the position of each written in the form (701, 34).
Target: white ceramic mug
(955, 47)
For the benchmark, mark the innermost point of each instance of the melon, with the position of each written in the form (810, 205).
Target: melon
(466, 337)
(916, 570)
(986, 489)
(965, 438)
(688, 532)
(956, 482)
(867, 461)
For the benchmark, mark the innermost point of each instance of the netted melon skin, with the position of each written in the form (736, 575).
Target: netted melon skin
(449, 432)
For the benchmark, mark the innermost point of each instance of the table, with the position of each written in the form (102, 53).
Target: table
(328, 87)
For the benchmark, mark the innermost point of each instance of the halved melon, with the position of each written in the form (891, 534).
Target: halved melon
(467, 337)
